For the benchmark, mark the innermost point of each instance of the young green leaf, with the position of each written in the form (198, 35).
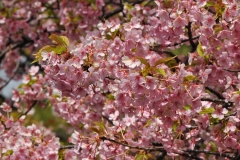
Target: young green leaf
(164, 60)
(144, 61)
(160, 71)
(139, 156)
(59, 40)
(47, 48)
(200, 50)
(207, 110)
(190, 78)
(60, 49)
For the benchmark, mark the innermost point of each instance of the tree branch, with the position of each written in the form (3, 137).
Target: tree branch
(235, 71)
(193, 45)
(218, 101)
(227, 154)
(13, 74)
(66, 147)
(29, 109)
(215, 93)
(20, 44)
(161, 149)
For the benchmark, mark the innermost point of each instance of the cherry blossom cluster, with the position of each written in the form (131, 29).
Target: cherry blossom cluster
(20, 142)
(125, 91)
(25, 27)
(126, 96)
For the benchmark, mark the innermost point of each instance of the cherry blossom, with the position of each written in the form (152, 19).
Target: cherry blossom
(119, 75)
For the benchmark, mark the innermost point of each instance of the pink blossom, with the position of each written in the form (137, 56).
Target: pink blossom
(204, 74)
(219, 112)
(33, 70)
(5, 107)
(179, 22)
(129, 120)
(230, 142)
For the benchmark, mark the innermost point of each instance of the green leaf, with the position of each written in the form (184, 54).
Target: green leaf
(237, 92)
(65, 40)
(207, 110)
(47, 48)
(200, 50)
(8, 153)
(187, 107)
(145, 71)
(127, 6)
(164, 60)
(110, 97)
(217, 28)
(108, 36)
(175, 125)
(80, 125)
(94, 129)
(190, 78)
(214, 146)
(134, 50)
(213, 121)
(59, 40)
(210, 4)
(182, 50)
(148, 123)
(143, 61)
(60, 49)
(160, 71)
(101, 125)
(219, 8)
(139, 156)
(99, 128)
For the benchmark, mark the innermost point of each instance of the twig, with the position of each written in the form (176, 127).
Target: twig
(218, 101)
(116, 11)
(235, 71)
(166, 52)
(193, 45)
(21, 44)
(182, 41)
(215, 92)
(227, 155)
(133, 147)
(13, 74)
(29, 109)
(107, 119)
(66, 147)
(150, 149)
(5, 127)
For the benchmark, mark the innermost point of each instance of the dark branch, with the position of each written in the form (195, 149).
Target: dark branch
(107, 119)
(149, 149)
(183, 41)
(235, 71)
(186, 153)
(118, 10)
(26, 41)
(227, 155)
(193, 45)
(66, 147)
(219, 96)
(28, 110)
(165, 52)
(218, 101)
(13, 74)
